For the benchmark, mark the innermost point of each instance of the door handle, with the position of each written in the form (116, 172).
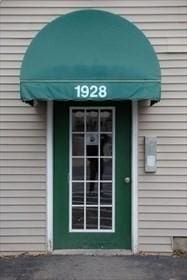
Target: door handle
(127, 180)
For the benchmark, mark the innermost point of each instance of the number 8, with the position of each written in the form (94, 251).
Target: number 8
(102, 91)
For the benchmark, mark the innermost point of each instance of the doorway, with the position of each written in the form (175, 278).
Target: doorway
(92, 189)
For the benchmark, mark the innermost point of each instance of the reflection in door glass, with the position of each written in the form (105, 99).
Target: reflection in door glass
(91, 176)
(92, 120)
(106, 217)
(92, 169)
(77, 193)
(106, 193)
(78, 120)
(106, 169)
(106, 145)
(92, 193)
(78, 145)
(106, 120)
(77, 217)
(77, 169)
(91, 217)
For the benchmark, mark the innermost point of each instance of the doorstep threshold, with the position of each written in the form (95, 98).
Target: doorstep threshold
(93, 252)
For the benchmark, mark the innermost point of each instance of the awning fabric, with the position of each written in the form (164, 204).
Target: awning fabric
(90, 55)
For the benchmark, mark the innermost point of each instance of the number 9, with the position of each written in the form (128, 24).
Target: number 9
(84, 91)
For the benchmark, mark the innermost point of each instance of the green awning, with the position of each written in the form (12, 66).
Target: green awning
(90, 55)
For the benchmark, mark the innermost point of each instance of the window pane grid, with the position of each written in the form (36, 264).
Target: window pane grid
(92, 217)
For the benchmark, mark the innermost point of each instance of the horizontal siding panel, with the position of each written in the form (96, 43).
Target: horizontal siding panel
(166, 140)
(162, 248)
(23, 132)
(164, 193)
(82, 4)
(155, 240)
(22, 208)
(19, 193)
(19, 110)
(146, 209)
(22, 125)
(167, 171)
(23, 216)
(20, 224)
(21, 118)
(163, 110)
(145, 118)
(23, 141)
(23, 163)
(167, 156)
(171, 103)
(21, 239)
(14, 102)
(168, 163)
(162, 224)
(25, 247)
(169, 148)
(162, 201)
(146, 10)
(22, 170)
(163, 186)
(163, 232)
(162, 178)
(22, 201)
(22, 155)
(22, 232)
(174, 87)
(164, 133)
(173, 95)
(163, 217)
(22, 178)
(22, 148)
(11, 57)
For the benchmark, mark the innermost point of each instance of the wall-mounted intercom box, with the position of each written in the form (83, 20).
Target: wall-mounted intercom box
(150, 154)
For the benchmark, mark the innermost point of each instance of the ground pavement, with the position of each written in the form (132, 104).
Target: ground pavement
(56, 267)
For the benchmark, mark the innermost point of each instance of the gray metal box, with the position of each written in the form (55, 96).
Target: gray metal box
(150, 154)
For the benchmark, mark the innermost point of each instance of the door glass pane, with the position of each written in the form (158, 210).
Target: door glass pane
(106, 144)
(106, 120)
(91, 217)
(106, 193)
(78, 120)
(92, 169)
(106, 217)
(92, 144)
(77, 169)
(78, 145)
(92, 193)
(92, 120)
(77, 193)
(77, 217)
(106, 169)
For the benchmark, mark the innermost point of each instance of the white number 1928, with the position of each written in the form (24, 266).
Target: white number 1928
(92, 91)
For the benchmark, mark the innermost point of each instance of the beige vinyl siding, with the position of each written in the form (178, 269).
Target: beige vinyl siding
(162, 196)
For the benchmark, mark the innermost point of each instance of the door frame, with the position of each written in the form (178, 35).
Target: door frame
(134, 177)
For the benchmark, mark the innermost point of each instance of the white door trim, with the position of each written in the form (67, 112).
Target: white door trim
(49, 117)
(134, 175)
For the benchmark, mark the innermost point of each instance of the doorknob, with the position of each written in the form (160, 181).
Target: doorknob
(127, 180)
